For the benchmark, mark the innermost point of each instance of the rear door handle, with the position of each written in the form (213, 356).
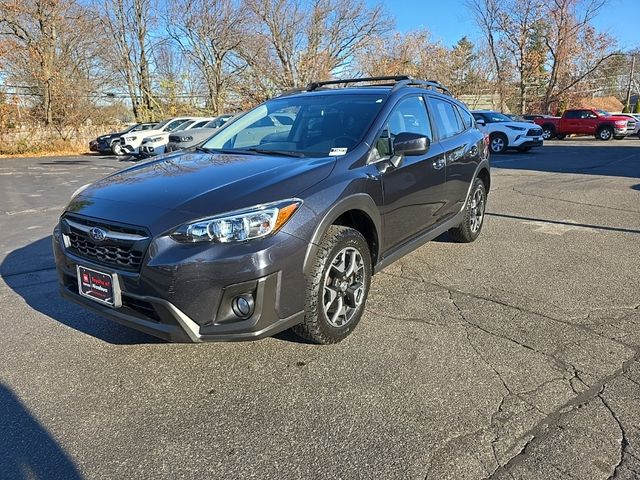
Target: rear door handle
(438, 164)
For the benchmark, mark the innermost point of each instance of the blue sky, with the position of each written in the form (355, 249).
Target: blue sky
(449, 20)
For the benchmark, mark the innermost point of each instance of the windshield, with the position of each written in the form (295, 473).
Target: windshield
(603, 113)
(305, 126)
(495, 117)
(217, 123)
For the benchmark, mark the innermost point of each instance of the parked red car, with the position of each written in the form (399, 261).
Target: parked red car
(598, 123)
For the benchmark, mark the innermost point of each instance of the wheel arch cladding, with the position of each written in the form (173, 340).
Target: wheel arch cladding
(484, 175)
(357, 211)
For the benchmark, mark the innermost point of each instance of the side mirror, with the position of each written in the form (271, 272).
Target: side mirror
(481, 122)
(410, 144)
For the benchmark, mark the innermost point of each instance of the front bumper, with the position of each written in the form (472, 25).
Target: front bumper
(531, 143)
(185, 294)
(151, 150)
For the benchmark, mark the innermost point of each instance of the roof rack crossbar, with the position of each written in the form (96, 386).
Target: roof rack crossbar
(394, 81)
(396, 78)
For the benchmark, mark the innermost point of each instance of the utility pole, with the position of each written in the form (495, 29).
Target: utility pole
(631, 72)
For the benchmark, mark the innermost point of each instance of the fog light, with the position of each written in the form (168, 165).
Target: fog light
(242, 306)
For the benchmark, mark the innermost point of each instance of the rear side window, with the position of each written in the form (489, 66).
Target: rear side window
(467, 119)
(447, 120)
(572, 114)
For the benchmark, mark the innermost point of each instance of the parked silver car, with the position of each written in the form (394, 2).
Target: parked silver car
(190, 138)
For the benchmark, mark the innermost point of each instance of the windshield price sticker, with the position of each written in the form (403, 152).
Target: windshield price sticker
(336, 152)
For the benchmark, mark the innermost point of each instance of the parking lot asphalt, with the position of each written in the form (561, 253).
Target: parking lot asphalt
(516, 356)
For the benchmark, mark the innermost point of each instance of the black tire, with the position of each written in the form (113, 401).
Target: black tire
(317, 326)
(524, 149)
(560, 136)
(548, 132)
(465, 233)
(605, 134)
(498, 143)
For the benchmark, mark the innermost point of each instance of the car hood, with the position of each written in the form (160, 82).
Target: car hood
(143, 133)
(196, 133)
(526, 125)
(614, 118)
(177, 188)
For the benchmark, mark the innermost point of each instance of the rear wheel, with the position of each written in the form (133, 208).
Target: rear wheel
(337, 286)
(605, 134)
(498, 142)
(561, 136)
(471, 224)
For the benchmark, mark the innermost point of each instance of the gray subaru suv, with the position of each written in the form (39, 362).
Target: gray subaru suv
(264, 228)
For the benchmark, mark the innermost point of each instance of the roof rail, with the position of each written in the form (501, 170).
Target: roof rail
(395, 81)
(432, 84)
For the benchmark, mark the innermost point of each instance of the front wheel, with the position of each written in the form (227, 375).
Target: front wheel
(117, 149)
(605, 134)
(548, 132)
(498, 143)
(337, 286)
(471, 224)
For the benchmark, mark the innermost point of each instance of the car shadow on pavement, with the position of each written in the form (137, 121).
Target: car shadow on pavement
(27, 450)
(30, 272)
(603, 160)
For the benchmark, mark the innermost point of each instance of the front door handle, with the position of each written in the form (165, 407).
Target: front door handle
(438, 164)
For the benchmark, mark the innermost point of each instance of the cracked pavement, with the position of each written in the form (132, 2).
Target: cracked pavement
(515, 357)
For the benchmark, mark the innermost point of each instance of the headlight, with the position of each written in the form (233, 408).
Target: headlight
(255, 222)
(154, 139)
(131, 139)
(80, 190)
(186, 139)
(621, 122)
(517, 129)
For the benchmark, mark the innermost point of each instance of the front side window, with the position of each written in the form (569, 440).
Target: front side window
(410, 115)
(307, 125)
(446, 118)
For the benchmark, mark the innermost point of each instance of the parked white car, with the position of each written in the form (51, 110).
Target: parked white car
(156, 144)
(505, 133)
(131, 142)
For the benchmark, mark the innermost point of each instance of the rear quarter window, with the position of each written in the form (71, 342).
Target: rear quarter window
(447, 120)
(467, 119)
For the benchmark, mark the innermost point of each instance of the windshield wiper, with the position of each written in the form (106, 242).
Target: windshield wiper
(251, 151)
(266, 151)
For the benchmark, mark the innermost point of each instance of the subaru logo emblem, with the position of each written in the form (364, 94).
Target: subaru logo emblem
(97, 234)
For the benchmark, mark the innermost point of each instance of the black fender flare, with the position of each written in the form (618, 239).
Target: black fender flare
(357, 201)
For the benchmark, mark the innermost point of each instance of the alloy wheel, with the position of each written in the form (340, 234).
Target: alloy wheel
(497, 145)
(477, 210)
(344, 287)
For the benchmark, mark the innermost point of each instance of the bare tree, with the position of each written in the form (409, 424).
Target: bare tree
(487, 17)
(519, 22)
(209, 32)
(297, 41)
(49, 51)
(128, 22)
(575, 50)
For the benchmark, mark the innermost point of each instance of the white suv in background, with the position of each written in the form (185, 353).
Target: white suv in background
(506, 133)
(156, 144)
(131, 141)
